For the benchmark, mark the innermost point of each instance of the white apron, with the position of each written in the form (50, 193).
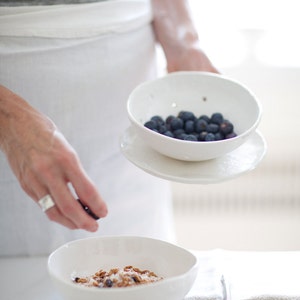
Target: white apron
(77, 64)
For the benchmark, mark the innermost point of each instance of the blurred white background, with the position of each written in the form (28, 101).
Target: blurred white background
(257, 43)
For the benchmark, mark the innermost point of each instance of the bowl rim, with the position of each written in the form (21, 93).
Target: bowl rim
(168, 280)
(200, 73)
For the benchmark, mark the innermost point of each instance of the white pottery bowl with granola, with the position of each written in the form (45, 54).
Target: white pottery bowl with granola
(125, 267)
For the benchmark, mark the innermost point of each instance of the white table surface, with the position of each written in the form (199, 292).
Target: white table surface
(250, 275)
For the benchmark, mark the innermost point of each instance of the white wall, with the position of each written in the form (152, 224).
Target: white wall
(255, 42)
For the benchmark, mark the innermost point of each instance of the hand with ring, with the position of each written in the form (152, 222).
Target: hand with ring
(45, 165)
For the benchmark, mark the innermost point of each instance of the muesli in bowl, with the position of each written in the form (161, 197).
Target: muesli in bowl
(78, 266)
(118, 277)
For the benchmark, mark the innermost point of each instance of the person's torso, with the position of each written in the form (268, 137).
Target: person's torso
(43, 2)
(82, 84)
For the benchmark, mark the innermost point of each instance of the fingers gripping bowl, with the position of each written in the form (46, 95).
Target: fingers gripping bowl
(202, 94)
(177, 267)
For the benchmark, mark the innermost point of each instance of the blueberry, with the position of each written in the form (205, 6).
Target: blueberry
(169, 119)
(202, 136)
(216, 118)
(151, 125)
(190, 137)
(230, 135)
(209, 137)
(168, 133)
(196, 135)
(178, 132)
(189, 126)
(158, 120)
(226, 127)
(200, 125)
(186, 115)
(176, 123)
(182, 136)
(219, 136)
(214, 128)
(162, 128)
(108, 283)
(205, 118)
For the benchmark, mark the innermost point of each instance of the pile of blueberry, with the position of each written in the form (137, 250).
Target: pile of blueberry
(186, 126)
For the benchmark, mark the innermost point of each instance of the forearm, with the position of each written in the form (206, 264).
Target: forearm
(173, 25)
(16, 116)
(9, 114)
(177, 35)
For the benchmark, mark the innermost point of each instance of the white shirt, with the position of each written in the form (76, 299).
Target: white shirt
(82, 81)
(43, 2)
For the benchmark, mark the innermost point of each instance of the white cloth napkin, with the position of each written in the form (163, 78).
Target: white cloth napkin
(270, 297)
(262, 275)
(209, 284)
(235, 275)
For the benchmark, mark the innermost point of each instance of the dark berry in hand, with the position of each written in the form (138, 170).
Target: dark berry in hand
(88, 210)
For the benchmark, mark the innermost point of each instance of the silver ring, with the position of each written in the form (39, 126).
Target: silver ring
(46, 203)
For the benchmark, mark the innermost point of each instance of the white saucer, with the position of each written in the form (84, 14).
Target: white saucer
(243, 159)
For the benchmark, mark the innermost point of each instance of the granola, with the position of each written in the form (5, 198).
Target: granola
(117, 277)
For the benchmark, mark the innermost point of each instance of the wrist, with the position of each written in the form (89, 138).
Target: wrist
(173, 26)
(5, 115)
(18, 118)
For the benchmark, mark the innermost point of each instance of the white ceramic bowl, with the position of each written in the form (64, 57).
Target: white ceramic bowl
(84, 257)
(200, 93)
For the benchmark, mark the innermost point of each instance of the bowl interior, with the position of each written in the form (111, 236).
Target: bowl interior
(85, 257)
(198, 92)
